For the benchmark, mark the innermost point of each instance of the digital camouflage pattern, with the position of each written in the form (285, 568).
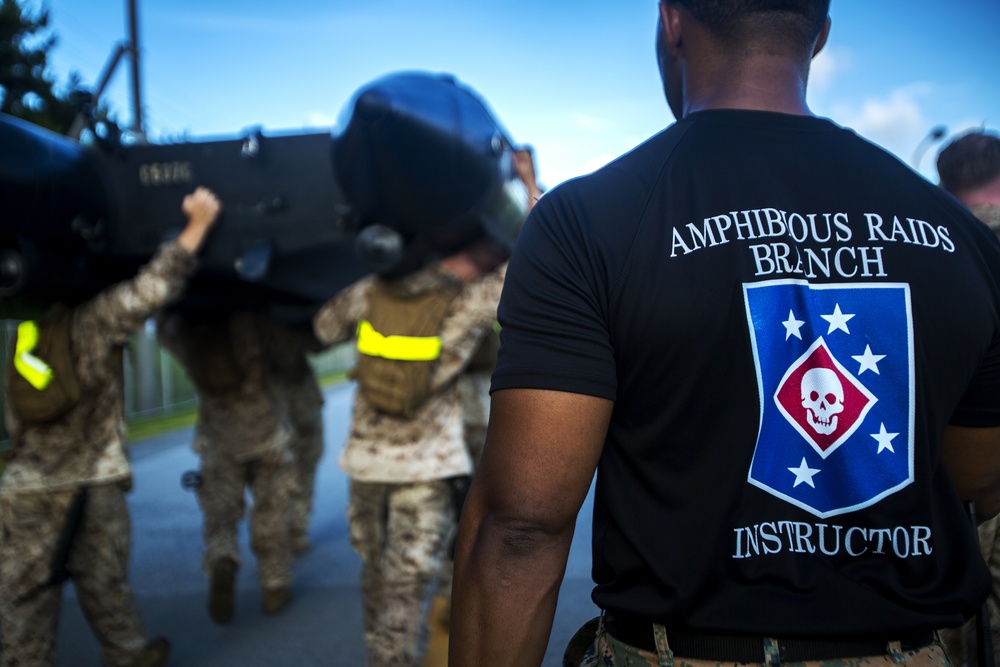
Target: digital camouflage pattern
(961, 642)
(401, 559)
(592, 646)
(84, 448)
(990, 214)
(429, 445)
(401, 516)
(242, 439)
(474, 393)
(293, 383)
(30, 525)
(270, 478)
(239, 419)
(474, 388)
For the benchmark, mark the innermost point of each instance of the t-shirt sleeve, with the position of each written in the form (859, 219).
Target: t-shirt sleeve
(553, 310)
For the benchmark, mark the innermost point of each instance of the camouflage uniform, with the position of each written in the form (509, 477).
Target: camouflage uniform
(606, 651)
(474, 389)
(242, 441)
(84, 450)
(400, 512)
(961, 642)
(990, 214)
(294, 385)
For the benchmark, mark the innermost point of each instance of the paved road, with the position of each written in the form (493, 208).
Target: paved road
(322, 626)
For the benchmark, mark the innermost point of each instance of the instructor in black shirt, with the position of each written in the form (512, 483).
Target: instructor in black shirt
(778, 347)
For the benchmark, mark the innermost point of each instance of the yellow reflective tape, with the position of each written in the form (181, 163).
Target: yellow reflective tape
(399, 348)
(31, 368)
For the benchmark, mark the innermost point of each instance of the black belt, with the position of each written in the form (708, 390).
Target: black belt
(638, 632)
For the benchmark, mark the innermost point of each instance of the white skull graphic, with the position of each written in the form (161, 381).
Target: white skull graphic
(823, 399)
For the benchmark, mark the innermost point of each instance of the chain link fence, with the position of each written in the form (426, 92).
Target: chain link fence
(155, 384)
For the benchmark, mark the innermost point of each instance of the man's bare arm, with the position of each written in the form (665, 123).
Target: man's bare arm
(972, 457)
(202, 209)
(517, 525)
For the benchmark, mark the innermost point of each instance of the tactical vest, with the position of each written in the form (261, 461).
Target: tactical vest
(42, 384)
(398, 343)
(212, 366)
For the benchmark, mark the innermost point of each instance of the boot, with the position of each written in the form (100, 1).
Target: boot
(153, 654)
(275, 599)
(222, 591)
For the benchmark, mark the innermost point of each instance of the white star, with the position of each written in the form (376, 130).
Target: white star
(884, 440)
(792, 326)
(837, 320)
(868, 360)
(804, 474)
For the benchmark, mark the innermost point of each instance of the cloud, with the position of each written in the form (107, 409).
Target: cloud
(319, 119)
(896, 122)
(826, 66)
(589, 123)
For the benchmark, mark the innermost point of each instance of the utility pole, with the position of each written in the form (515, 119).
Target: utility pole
(133, 38)
(130, 49)
(147, 396)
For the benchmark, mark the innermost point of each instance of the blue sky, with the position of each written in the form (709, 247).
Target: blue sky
(576, 80)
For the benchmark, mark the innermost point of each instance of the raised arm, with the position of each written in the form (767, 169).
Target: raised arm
(337, 319)
(472, 316)
(121, 309)
(202, 208)
(972, 457)
(524, 166)
(517, 524)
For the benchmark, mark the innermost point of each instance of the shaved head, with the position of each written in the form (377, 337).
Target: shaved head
(776, 27)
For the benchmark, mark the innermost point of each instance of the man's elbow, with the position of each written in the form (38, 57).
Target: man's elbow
(520, 539)
(986, 503)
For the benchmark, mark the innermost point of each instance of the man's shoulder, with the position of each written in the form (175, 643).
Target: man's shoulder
(601, 205)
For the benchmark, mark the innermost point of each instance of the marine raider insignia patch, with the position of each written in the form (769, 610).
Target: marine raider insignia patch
(835, 376)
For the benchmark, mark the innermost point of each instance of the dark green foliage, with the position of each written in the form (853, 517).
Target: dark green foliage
(27, 90)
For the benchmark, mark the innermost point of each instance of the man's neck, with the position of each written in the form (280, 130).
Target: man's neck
(986, 195)
(461, 265)
(761, 83)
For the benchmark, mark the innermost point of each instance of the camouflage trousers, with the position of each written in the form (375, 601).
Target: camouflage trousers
(401, 532)
(306, 446)
(604, 650)
(961, 642)
(474, 393)
(30, 528)
(222, 496)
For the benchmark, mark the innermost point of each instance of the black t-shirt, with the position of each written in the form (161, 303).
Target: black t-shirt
(786, 318)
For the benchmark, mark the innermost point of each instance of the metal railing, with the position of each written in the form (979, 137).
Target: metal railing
(155, 384)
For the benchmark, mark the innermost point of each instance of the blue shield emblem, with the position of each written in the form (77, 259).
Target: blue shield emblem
(835, 375)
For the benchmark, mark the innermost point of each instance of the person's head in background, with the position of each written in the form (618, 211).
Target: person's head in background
(969, 168)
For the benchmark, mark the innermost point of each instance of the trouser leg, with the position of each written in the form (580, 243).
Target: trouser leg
(307, 448)
(29, 611)
(221, 497)
(608, 651)
(99, 563)
(418, 527)
(366, 514)
(271, 480)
